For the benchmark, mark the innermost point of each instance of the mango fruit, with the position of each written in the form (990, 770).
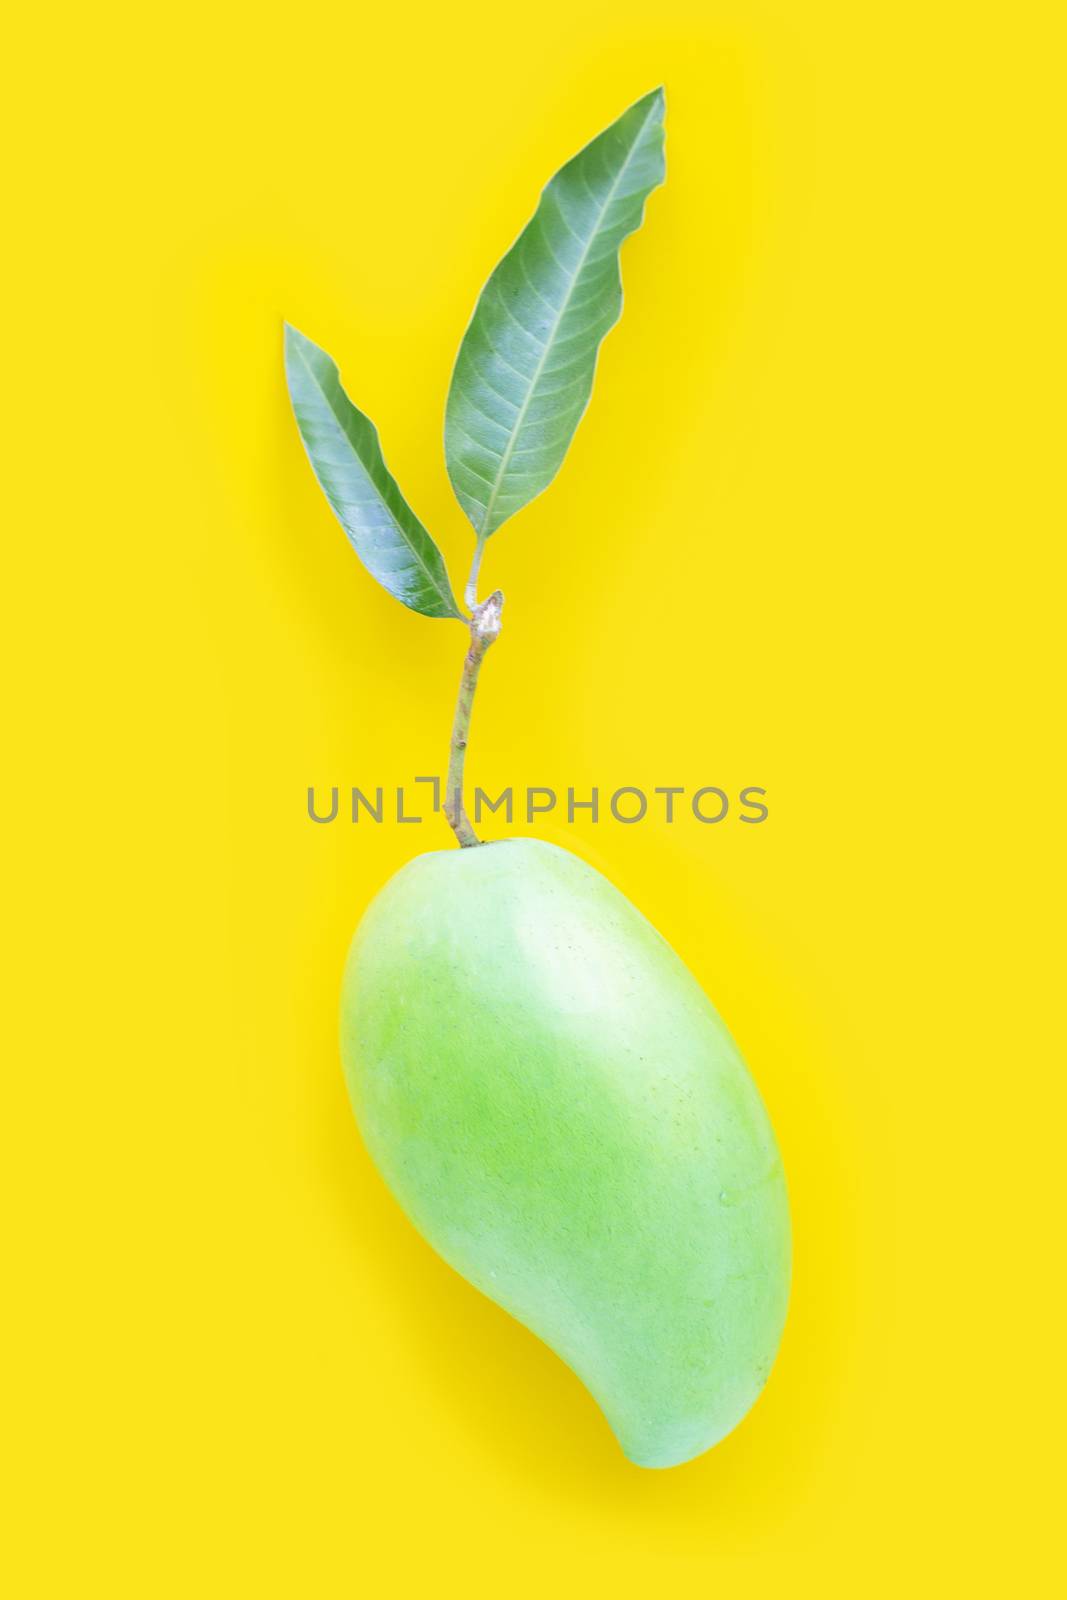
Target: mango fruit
(560, 1111)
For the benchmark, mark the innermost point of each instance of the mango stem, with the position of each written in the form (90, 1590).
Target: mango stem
(484, 627)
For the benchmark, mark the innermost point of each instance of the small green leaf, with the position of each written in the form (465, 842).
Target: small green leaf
(524, 371)
(342, 445)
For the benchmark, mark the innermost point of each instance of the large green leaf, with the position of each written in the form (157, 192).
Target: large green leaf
(525, 368)
(343, 448)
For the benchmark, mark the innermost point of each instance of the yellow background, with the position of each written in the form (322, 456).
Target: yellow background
(805, 539)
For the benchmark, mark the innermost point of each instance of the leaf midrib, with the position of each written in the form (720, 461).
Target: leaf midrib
(505, 459)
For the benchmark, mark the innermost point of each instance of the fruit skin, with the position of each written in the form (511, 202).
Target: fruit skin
(563, 1115)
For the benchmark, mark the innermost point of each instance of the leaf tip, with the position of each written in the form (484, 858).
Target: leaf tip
(292, 336)
(292, 340)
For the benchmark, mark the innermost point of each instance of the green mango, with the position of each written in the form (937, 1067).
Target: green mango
(562, 1114)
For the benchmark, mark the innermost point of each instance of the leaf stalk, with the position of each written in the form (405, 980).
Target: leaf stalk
(470, 593)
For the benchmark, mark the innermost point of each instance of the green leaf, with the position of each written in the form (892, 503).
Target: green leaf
(525, 368)
(342, 445)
